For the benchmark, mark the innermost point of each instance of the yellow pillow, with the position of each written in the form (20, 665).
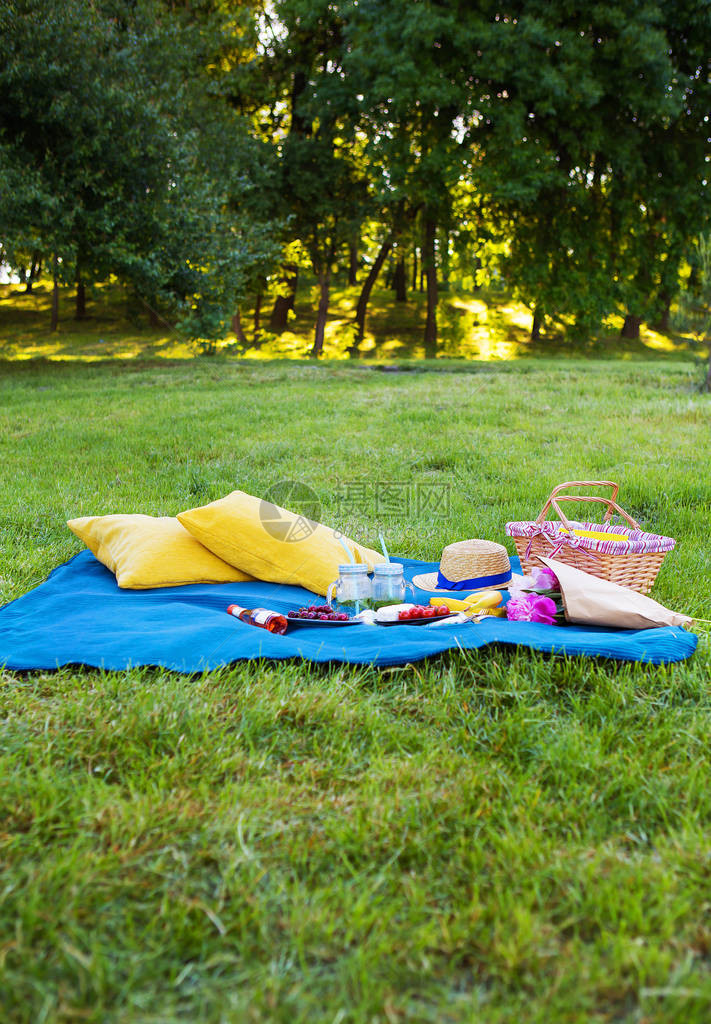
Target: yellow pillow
(149, 551)
(272, 543)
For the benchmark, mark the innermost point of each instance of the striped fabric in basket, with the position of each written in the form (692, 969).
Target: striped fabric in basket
(631, 557)
(633, 541)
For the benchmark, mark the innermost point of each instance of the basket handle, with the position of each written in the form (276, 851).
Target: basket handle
(612, 506)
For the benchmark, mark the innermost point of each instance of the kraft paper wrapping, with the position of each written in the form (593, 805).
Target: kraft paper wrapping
(587, 599)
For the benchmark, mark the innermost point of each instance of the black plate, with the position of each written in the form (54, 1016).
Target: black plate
(417, 622)
(323, 622)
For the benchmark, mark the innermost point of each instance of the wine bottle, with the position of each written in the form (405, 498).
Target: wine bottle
(262, 617)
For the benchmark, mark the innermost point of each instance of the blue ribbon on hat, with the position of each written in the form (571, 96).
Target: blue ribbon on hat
(478, 583)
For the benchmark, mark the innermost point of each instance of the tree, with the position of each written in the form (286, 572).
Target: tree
(366, 289)
(410, 65)
(694, 312)
(105, 121)
(580, 159)
(322, 180)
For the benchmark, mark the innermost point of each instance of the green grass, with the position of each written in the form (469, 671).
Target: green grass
(493, 836)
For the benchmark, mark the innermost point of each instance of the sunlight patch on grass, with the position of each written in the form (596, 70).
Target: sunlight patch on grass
(173, 348)
(660, 342)
(285, 346)
(515, 313)
(66, 348)
(476, 306)
(486, 347)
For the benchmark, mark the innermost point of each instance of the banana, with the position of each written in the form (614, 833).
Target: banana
(477, 602)
(454, 604)
(487, 599)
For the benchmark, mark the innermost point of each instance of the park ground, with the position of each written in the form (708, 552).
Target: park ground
(489, 836)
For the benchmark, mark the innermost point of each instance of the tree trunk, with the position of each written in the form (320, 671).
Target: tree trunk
(414, 268)
(257, 315)
(367, 288)
(399, 281)
(428, 259)
(353, 263)
(284, 304)
(663, 324)
(54, 323)
(631, 326)
(444, 282)
(80, 311)
(477, 266)
(324, 281)
(536, 325)
(33, 273)
(707, 382)
(154, 318)
(238, 329)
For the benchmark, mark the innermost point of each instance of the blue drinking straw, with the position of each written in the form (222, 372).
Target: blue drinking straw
(385, 550)
(347, 550)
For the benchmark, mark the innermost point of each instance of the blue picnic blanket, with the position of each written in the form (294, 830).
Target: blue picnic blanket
(79, 615)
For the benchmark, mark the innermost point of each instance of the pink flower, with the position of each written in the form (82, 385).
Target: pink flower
(532, 608)
(545, 579)
(517, 608)
(519, 584)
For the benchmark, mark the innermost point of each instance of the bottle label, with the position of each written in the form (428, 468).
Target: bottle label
(260, 616)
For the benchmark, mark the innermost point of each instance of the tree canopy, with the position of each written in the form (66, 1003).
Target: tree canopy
(201, 152)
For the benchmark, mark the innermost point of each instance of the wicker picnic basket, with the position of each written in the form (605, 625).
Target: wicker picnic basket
(630, 557)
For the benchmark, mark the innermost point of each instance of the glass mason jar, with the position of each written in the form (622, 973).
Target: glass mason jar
(352, 590)
(389, 585)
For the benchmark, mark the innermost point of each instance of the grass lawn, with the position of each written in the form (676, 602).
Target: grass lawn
(494, 836)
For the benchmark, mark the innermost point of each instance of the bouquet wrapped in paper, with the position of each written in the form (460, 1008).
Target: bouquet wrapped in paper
(559, 593)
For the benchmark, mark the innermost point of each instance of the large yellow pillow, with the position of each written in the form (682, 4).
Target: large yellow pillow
(271, 543)
(150, 551)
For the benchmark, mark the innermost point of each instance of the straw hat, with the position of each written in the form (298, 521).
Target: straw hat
(468, 565)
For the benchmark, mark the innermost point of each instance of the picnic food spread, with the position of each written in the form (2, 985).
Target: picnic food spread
(582, 572)
(555, 590)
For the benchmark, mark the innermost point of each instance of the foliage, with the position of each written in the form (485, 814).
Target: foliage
(106, 165)
(694, 311)
(593, 160)
(189, 148)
